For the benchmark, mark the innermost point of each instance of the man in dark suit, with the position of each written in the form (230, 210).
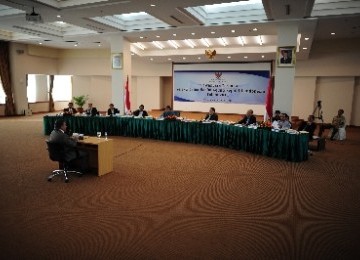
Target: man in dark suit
(167, 112)
(59, 136)
(140, 112)
(211, 116)
(70, 110)
(91, 111)
(248, 119)
(308, 126)
(286, 58)
(112, 110)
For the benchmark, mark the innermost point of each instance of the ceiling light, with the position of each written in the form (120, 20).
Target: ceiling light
(99, 45)
(141, 37)
(184, 58)
(206, 42)
(157, 36)
(255, 29)
(260, 40)
(241, 40)
(174, 44)
(192, 33)
(223, 41)
(307, 38)
(169, 58)
(229, 57)
(332, 33)
(152, 5)
(174, 34)
(58, 16)
(199, 58)
(262, 56)
(158, 44)
(139, 45)
(304, 48)
(212, 32)
(151, 59)
(245, 57)
(190, 43)
(233, 31)
(40, 43)
(75, 44)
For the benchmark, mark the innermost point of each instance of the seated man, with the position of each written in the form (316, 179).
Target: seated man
(337, 122)
(91, 111)
(112, 110)
(248, 119)
(70, 110)
(211, 116)
(140, 112)
(276, 116)
(58, 135)
(283, 123)
(308, 126)
(167, 112)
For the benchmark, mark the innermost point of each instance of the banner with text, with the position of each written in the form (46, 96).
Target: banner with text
(238, 87)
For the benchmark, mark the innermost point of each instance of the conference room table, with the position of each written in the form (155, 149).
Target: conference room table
(281, 145)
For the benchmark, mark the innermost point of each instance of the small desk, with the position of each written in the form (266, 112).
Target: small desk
(101, 154)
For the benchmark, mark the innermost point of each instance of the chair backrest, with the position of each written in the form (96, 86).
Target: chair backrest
(56, 151)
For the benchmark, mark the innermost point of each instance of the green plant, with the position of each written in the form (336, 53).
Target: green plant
(80, 100)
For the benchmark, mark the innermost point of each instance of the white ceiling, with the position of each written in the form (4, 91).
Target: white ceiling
(91, 23)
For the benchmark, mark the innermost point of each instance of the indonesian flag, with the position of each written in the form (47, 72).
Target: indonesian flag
(269, 99)
(127, 97)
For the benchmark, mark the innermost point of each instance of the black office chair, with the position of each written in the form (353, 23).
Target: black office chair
(57, 154)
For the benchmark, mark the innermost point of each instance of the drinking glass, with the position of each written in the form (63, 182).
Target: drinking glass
(98, 134)
(105, 135)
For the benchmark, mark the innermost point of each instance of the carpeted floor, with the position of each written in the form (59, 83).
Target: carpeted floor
(170, 200)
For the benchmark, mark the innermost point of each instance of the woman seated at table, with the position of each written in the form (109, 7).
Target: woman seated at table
(248, 119)
(283, 123)
(211, 116)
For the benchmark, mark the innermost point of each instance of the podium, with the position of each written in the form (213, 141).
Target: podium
(101, 153)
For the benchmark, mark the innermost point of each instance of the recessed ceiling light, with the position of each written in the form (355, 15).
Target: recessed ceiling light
(58, 16)
(184, 58)
(245, 57)
(40, 43)
(199, 58)
(174, 34)
(192, 33)
(233, 31)
(157, 36)
(151, 59)
(212, 32)
(262, 56)
(332, 33)
(75, 44)
(152, 5)
(255, 29)
(141, 37)
(169, 58)
(307, 38)
(99, 45)
(229, 57)
(304, 48)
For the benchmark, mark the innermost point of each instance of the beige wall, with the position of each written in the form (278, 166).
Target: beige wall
(331, 74)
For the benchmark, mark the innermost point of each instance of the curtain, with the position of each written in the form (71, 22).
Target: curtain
(6, 78)
(51, 100)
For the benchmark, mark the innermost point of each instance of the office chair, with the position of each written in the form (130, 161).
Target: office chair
(57, 154)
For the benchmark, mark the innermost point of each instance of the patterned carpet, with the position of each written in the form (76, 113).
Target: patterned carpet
(170, 200)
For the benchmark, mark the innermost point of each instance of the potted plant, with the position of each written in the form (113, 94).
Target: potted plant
(80, 102)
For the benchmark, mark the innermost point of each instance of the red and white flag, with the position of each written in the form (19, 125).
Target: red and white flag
(127, 97)
(269, 99)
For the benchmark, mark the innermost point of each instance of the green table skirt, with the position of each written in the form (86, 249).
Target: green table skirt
(291, 147)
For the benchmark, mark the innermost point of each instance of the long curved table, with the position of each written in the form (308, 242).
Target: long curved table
(290, 147)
